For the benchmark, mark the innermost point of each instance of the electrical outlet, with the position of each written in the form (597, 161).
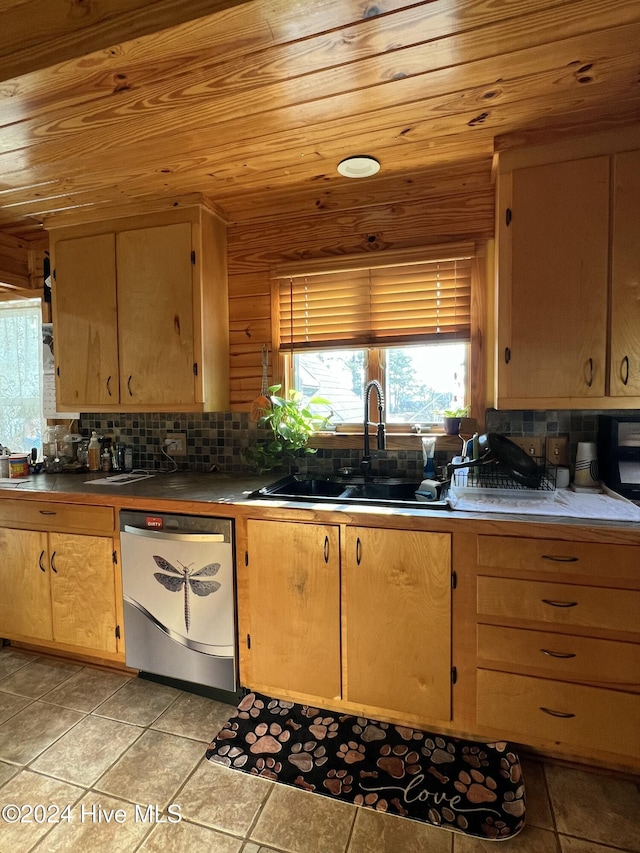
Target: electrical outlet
(175, 444)
(531, 444)
(557, 450)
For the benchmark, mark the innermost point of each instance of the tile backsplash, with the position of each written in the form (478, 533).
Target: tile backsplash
(216, 440)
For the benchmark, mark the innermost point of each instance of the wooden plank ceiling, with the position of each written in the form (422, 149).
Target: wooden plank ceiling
(254, 103)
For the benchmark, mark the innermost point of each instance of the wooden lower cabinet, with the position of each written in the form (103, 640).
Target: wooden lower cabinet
(371, 631)
(398, 621)
(558, 646)
(59, 588)
(294, 583)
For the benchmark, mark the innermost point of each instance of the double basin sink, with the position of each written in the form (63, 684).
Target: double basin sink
(375, 491)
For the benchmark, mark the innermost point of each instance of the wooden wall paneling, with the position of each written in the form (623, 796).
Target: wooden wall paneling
(14, 263)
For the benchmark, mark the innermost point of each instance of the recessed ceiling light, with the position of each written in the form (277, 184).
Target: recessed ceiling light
(358, 167)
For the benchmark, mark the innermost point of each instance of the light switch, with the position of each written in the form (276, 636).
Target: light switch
(557, 450)
(531, 444)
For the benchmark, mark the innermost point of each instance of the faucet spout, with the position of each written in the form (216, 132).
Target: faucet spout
(381, 439)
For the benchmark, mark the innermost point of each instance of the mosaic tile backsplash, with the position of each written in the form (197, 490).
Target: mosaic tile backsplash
(216, 440)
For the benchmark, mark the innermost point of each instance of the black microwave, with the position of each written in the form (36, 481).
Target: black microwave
(619, 453)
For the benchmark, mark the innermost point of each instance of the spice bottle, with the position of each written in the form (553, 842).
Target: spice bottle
(105, 458)
(94, 452)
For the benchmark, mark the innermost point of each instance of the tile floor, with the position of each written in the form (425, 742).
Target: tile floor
(103, 743)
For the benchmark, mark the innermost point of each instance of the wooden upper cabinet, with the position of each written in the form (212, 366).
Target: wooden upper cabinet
(625, 277)
(568, 298)
(553, 299)
(155, 315)
(86, 336)
(140, 311)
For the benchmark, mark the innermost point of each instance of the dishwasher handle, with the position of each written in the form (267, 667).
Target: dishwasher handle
(176, 537)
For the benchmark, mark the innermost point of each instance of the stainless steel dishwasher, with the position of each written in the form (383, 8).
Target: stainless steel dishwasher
(179, 601)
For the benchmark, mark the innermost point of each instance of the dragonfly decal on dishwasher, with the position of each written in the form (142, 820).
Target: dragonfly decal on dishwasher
(186, 579)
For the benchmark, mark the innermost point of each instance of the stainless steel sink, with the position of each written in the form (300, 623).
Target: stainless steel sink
(377, 491)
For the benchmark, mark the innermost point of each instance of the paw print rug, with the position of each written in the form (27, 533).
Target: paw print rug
(474, 788)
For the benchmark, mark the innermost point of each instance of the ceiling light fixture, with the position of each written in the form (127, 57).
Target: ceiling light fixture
(358, 167)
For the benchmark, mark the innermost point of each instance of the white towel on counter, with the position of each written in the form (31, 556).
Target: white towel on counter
(567, 504)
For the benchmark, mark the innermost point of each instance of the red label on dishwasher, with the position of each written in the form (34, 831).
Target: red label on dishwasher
(153, 521)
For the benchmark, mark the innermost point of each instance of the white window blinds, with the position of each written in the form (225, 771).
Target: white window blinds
(378, 305)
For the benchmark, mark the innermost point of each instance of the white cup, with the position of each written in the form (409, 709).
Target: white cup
(562, 478)
(586, 473)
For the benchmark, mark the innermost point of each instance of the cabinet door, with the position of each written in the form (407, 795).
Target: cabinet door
(85, 321)
(398, 621)
(83, 591)
(155, 315)
(25, 598)
(294, 583)
(625, 282)
(553, 344)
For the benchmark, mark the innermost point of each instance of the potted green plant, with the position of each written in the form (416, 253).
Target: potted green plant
(292, 423)
(452, 419)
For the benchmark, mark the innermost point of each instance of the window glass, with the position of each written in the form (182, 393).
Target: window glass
(420, 381)
(21, 420)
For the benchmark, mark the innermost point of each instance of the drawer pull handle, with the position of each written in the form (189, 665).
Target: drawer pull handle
(562, 655)
(558, 559)
(46, 512)
(563, 714)
(553, 603)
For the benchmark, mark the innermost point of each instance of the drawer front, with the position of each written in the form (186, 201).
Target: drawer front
(562, 655)
(44, 515)
(559, 604)
(534, 711)
(554, 556)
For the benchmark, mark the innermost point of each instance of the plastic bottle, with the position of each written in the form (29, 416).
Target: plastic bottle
(94, 452)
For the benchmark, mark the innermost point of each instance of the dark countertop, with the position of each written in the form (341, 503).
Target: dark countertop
(192, 489)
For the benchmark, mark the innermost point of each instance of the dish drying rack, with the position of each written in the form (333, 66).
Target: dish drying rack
(494, 480)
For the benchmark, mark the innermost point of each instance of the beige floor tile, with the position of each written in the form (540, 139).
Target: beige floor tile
(595, 806)
(31, 789)
(7, 771)
(85, 753)
(250, 847)
(223, 799)
(89, 830)
(194, 716)
(85, 690)
(530, 840)
(139, 702)
(10, 704)
(578, 845)
(301, 822)
(182, 837)
(153, 769)
(32, 730)
(13, 659)
(38, 677)
(375, 832)
(535, 785)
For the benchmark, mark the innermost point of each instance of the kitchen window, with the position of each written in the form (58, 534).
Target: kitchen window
(405, 319)
(21, 418)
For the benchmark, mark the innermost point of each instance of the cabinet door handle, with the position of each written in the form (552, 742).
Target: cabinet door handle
(358, 551)
(507, 355)
(53, 563)
(326, 549)
(624, 366)
(557, 558)
(129, 386)
(563, 714)
(560, 603)
(109, 385)
(561, 655)
(590, 379)
(40, 558)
